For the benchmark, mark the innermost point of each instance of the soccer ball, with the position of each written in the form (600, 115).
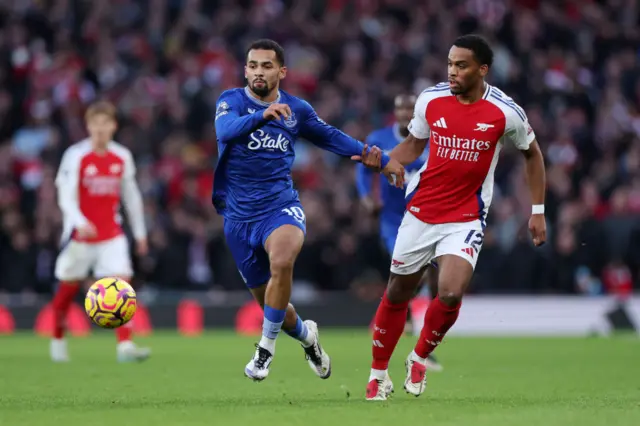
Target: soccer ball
(110, 302)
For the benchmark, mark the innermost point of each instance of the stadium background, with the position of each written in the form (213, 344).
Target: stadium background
(573, 65)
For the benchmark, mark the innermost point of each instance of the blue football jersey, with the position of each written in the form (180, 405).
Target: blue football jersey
(392, 198)
(253, 175)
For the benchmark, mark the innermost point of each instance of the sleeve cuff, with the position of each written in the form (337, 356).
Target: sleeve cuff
(384, 160)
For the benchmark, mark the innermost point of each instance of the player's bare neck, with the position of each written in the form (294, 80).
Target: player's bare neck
(99, 147)
(473, 95)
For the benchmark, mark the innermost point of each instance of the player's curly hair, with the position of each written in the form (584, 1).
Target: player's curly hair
(478, 45)
(268, 44)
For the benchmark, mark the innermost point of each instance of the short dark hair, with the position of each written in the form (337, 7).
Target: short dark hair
(268, 44)
(478, 45)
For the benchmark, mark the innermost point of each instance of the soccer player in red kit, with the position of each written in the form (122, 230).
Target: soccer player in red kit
(95, 175)
(467, 122)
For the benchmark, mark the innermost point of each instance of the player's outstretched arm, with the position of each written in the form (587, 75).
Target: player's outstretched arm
(132, 200)
(536, 179)
(229, 124)
(328, 137)
(409, 150)
(332, 139)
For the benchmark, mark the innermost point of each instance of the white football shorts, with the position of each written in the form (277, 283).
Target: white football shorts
(106, 259)
(418, 243)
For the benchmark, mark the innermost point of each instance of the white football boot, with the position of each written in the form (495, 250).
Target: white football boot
(317, 358)
(379, 390)
(129, 352)
(258, 368)
(416, 380)
(58, 350)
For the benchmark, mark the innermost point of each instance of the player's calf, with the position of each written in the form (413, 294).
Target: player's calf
(389, 323)
(126, 349)
(282, 247)
(61, 303)
(453, 279)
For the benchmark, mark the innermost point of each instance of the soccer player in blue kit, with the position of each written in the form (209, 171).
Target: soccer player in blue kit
(392, 203)
(264, 223)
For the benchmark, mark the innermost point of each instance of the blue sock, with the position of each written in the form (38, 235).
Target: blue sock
(272, 323)
(300, 332)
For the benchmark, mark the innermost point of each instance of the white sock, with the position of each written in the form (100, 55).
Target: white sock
(377, 374)
(415, 356)
(125, 345)
(268, 344)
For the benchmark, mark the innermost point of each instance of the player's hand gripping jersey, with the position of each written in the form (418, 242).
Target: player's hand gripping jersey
(456, 183)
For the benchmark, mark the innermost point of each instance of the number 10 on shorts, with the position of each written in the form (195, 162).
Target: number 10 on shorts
(474, 239)
(296, 212)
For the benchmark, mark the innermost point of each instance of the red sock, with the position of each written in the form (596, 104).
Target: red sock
(123, 334)
(61, 303)
(437, 321)
(389, 326)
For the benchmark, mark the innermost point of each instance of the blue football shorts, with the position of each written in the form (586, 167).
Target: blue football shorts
(246, 242)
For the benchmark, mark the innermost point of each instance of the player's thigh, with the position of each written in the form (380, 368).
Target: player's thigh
(457, 253)
(282, 236)
(414, 246)
(75, 261)
(250, 258)
(431, 278)
(402, 288)
(113, 259)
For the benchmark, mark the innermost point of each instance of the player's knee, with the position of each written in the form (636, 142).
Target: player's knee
(450, 296)
(398, 290)
(281, 265)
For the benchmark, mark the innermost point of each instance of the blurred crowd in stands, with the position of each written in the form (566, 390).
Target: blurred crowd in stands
(574, 65)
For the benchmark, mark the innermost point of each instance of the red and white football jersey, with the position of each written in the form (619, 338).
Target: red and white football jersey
(456, 183)
(91, 186)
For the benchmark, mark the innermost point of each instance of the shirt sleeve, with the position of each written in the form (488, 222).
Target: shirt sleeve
(132, 199)
(330, 138)
(418, 126)
(229, 122)
(67, 182)
(518, 130)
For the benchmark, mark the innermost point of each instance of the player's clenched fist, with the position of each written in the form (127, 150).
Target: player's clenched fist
(276, 111)
(538, 229)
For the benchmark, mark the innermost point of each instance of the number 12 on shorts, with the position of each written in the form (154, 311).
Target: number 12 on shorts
(474, 239)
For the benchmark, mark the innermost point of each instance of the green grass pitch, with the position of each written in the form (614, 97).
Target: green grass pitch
(199, 381)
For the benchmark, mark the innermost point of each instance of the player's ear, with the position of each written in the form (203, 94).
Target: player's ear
(484, 69)
(282, 73)
(245, 72)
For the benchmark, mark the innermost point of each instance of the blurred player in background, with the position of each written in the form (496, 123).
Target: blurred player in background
(390, 206)
(264, 223)
(466, 122)
(95, 175)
